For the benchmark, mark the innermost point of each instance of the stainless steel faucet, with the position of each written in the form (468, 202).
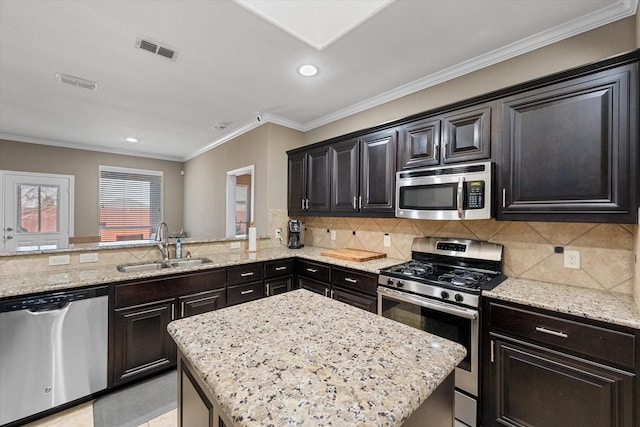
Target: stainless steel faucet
(162, 236)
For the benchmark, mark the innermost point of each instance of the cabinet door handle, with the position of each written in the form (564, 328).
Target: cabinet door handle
(551, 332)
(307, 207)
(354, 203)
(173, 312)
(326, 292)
(348, 279)
(302, 204)
(360, 202)
(280, 268)
(492, 351)
(332, 293)
(267, 289)
(312, 270)
(504, 197)
(246, 274)
(182, 309)
(249, 291)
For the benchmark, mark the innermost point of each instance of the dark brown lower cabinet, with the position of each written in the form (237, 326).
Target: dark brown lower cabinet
(278, 286)
(535, 386)
(314, 286)
(144, 345)
(365, 302)
(139, 344)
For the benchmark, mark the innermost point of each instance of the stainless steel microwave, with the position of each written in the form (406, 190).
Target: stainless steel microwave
(445, 192)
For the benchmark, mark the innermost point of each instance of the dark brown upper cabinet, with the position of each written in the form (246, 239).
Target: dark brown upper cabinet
(309, 182)
(363, 174)
(457, 136)
(569, 150)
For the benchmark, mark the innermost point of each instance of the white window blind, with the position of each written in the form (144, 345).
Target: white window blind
(130, 203)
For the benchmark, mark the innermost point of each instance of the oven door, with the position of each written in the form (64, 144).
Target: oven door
(449, 321)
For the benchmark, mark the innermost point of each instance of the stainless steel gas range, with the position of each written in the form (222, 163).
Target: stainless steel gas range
(438, 291)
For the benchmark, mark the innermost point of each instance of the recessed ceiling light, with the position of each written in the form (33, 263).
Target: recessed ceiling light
(131, 139)
(308, 70)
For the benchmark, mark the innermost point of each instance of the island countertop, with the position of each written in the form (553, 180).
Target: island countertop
(303, 359)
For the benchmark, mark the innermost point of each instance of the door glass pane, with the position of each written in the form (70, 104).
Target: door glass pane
(38, 208)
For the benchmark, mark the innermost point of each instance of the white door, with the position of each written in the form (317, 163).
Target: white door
(36, 210)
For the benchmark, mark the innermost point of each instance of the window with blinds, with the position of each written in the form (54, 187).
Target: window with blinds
(130, 203)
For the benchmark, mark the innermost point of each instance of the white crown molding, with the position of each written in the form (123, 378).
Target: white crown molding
(86, 147)
(617, 11)
(612, 13)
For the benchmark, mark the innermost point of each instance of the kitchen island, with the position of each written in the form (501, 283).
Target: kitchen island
(302, 359)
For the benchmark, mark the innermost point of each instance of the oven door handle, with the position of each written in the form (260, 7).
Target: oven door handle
(434, 305)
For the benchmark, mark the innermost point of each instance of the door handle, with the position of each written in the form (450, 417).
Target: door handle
(460, 198)
(9, 229)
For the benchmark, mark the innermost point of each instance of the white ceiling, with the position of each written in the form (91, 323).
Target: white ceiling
(233, 63)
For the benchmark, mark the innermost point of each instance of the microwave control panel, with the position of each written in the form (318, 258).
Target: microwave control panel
(474, 194)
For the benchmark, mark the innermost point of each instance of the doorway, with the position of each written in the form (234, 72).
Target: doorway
(240, 193)
(36, 210)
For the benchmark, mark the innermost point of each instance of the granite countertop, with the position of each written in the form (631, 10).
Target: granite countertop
(594, 304)
(60, 279)
(302, 359)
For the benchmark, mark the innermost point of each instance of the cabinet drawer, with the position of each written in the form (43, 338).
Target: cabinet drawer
(202, 302)
(314, 271)
(244, 273)
(167, 287)
(242, 293)
(278, 268)
(591, 341)
(357, 281)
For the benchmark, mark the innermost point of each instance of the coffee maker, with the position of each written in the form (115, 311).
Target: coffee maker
(295, 232)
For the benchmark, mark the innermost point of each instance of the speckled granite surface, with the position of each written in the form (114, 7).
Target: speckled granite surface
(610, 307)
(28, 283)
(302, 359)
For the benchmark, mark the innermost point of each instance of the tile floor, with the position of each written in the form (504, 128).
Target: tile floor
(82, 416)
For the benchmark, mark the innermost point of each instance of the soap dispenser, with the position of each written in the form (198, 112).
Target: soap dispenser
(178, 248)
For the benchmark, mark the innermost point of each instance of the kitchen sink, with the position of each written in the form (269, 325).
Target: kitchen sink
(159, 265)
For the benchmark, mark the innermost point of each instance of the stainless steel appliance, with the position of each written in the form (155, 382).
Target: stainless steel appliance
(445, 192)
(295, 234)
(438, 291)
(53, 350)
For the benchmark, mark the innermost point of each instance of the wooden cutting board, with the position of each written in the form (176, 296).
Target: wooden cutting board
(353, 254)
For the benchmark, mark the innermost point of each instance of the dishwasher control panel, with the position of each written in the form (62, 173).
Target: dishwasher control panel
(33, 302)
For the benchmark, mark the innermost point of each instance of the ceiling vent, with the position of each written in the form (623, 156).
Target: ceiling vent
(76, 81)
(156, 48)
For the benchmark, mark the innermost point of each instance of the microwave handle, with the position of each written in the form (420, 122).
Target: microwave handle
(460, 197)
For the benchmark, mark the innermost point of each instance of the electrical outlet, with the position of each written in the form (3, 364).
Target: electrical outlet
(59, 259)
(572, 259)
(333, 234)
(279, 233)
(387, 240)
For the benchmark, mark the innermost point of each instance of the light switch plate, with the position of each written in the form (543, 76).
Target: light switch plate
(387, 239)
(333, 234)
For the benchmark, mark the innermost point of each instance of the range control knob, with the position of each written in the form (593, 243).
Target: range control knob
(400, 284)
(444, 295)
(459, 297)
(389, 281)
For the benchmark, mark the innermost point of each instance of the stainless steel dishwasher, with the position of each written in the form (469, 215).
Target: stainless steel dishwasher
(53, 349)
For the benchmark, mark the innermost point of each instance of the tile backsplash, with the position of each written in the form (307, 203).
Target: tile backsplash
(607, 251)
